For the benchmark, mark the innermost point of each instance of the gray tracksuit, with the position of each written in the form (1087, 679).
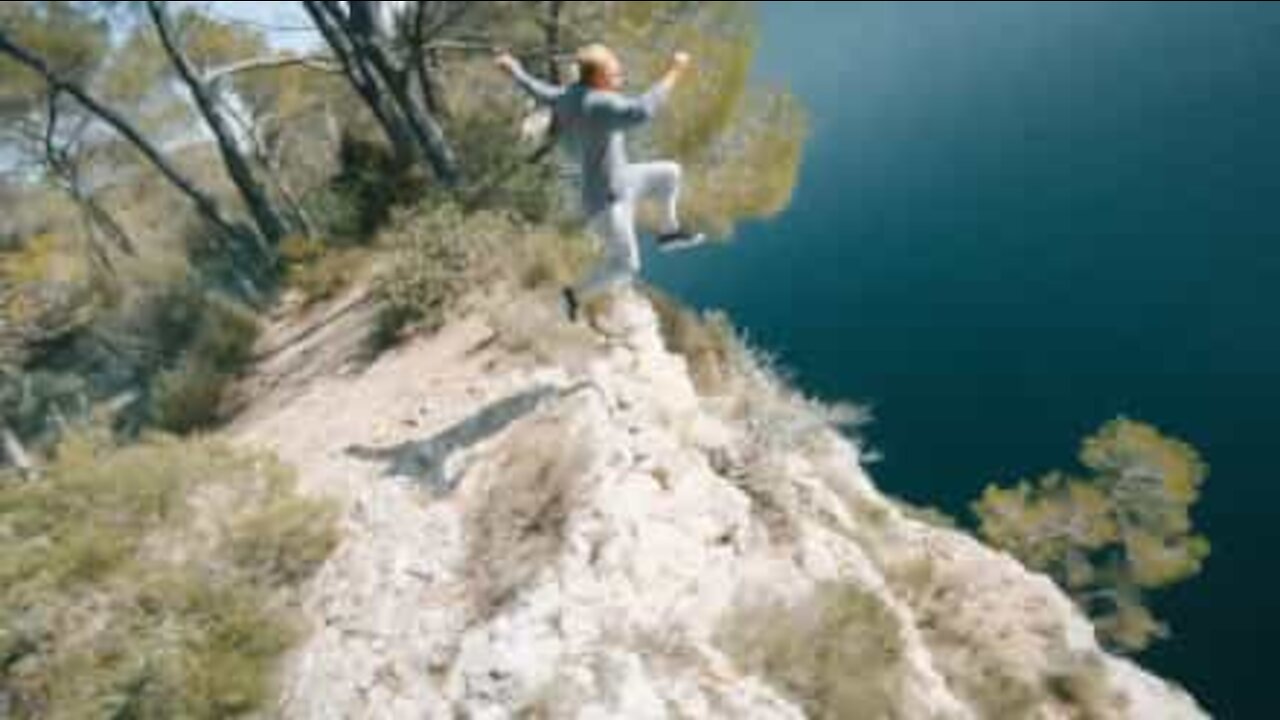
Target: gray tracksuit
(592, 125)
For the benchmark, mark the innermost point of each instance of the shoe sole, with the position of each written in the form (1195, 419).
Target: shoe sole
(571, 307)
(681, 244)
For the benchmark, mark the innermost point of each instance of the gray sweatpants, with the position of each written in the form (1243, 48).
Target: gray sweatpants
(614, 224)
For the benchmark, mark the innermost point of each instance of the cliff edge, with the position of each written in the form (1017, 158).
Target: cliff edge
(546, 521)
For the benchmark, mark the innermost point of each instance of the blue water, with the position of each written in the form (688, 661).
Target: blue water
(1018, 220)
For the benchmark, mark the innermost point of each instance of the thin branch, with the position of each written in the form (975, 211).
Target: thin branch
(479, 46)
(481, 191)
(15, 452)
(51, 128)
(272, 228)
(554, 10)
(321, 63)
(207, 206)
(419, 59)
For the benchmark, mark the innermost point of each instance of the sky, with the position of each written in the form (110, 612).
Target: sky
(286, 23)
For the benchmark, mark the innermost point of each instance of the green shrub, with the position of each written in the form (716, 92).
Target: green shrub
(188, 396)
(438, 257)
(1112, 535)
(121, 597)
(489, 143)
(324, 277)
(838, 651)
(443, 256)
(226, 335)
(285, 542)
(545, 257)
(28, 398)
(301, 249)
(361, 198)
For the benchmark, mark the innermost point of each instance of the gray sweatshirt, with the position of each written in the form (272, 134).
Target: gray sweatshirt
(592, 126)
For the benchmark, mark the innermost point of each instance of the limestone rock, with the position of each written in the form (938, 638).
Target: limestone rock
(595, 558)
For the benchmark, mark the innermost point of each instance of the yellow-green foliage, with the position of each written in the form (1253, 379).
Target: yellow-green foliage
(317, 270)
(1111, 535)
(741, 143)
(437, 258)
(301, 249)
(543, 257)
(752, 174)
(441, 257)
(327, 276)
(486, 131)
(227, 333)
(44, 281)
(71, 42)
(283, 543)
(147, 581)
(41, 260)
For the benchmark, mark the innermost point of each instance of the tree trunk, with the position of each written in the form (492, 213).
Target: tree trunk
(271, 225)
(364, 83)
(204, 203)
(98, 254)
(14, 451)
(384, 84)
(105, 222)
(554, 10)
(268, 155)
(425, 64)
(426, 128)
(363, 31)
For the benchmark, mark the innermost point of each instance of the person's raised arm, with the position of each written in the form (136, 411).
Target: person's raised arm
(541, 91)
(623, 111)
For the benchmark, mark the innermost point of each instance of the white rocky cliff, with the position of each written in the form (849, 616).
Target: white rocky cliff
(553, 523)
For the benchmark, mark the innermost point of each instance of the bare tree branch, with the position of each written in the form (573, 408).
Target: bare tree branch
(554, 10)
(204, 203)
(320, 63)
(271, 225)
(382, 79)
(15, 452)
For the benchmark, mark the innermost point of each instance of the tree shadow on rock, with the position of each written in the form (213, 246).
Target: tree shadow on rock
(427, 461)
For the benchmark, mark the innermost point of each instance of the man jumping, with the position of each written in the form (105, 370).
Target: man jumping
(592, 117)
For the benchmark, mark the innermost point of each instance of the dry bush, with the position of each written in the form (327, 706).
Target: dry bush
(321, 273)
(442, 258)
(837, 653)
(706, 342)
(121, 597)
(544, 257)
(328, 277)
(189, 395)
(747, 383)
(776, 423)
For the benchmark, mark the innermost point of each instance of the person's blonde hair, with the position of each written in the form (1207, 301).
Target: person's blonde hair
(592, 59)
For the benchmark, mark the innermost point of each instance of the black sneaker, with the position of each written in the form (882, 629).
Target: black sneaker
(680, 240)
(570, 304)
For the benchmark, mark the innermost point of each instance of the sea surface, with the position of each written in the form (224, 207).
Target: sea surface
(1017, 220)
